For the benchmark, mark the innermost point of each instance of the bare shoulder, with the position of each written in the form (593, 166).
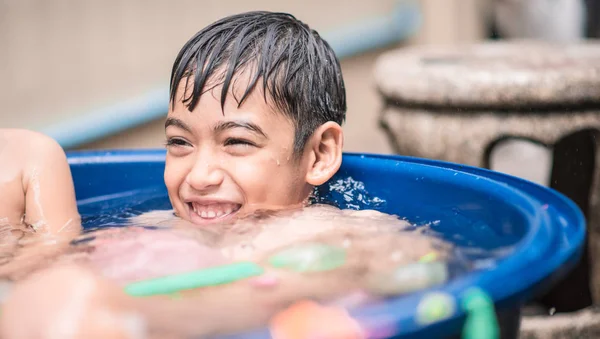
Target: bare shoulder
(35, 151)
(27, 146)
(14, 135)
(41, 144)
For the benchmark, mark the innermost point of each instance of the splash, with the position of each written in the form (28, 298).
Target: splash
(352, 192)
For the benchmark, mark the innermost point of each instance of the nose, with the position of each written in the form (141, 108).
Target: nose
(206, 174)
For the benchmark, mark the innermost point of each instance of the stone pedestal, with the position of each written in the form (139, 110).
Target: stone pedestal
(584, 324)
(456, 103)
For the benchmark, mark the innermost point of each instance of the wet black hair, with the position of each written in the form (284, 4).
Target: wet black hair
(297, 69)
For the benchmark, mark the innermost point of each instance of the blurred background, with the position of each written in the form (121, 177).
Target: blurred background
(94, 73)
(64, 64)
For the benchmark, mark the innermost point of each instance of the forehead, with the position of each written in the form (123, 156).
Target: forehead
(256, 107)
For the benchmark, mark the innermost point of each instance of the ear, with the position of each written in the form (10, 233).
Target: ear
(325, 147)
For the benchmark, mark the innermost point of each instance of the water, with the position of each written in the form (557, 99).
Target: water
(479, 247)
(352, 192)
(378, 249)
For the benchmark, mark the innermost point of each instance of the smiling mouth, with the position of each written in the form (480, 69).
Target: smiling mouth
(213, 211)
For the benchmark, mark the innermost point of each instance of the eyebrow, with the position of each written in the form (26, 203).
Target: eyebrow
(239, 124)
(177, 123)
(222, 126)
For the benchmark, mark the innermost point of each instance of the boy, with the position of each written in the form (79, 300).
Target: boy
(257, 100)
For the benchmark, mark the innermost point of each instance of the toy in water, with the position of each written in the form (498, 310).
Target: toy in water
(408, 278)
(434, 307)
(207, 277)
(312, 257)
(308, 319)
(481, 316)
(429, 257)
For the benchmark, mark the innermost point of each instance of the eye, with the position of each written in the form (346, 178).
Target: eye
(236, 142)
(176, 142)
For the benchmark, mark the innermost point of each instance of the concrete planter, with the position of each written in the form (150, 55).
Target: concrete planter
(456, 103)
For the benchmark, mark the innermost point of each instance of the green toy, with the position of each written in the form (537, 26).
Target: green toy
(408, 278)
(429, 257)
(203, 278)
(481, 316)
(434, 307)
(313, 257)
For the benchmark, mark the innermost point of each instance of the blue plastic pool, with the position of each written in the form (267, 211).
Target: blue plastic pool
(531, 235)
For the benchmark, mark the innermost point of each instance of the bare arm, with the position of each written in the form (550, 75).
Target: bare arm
(50, 204)
(37, 184)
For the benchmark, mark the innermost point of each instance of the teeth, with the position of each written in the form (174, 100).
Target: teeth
(212, 211)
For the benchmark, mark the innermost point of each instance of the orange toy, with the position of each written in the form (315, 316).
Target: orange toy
(309, 320)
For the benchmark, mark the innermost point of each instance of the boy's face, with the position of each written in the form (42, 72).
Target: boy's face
(219, 166)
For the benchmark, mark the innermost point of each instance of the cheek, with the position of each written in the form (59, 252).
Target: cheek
(251, 175)
(267, 182)
(174, 176)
